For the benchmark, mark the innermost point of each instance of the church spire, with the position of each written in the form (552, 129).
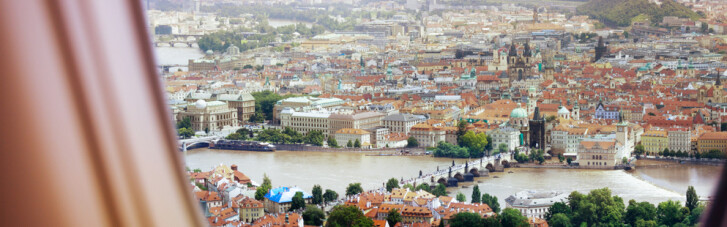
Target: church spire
(513, 51)
(527, 52)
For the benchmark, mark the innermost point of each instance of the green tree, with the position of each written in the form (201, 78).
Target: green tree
(357, 144)
(353, 189)
(347, 216)
(440, 190)
(332, 142)
(476, 195)
(668, 213)
(639, 211)
(235, 136)
(491, 221)
(197, 170)
(313, 215)
(560, 220)
(412, 142)
(206, 131)
(186, 122)
(257, 117)
(645, 223)
(557, 208)
(298, 202)
(465, 219)
(349, 144)
(260, 193)
(513, 217)
(491, 201)
(461, 197)
(186, 132)
(639, 150)
(317, 194)
(330, 195)
(393, 217)
(692, 198)
(502, 148)
(461, 131)
(424, 186)
(264, 188)
(391, 184)
(475, 143)
(314, 137)
(695, 214)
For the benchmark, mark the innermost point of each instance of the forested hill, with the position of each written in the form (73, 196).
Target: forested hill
(621, 12)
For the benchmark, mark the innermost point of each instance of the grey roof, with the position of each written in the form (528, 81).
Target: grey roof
(535, 198)
(401, 117)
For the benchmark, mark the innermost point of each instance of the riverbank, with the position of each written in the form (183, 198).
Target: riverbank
(689, 161)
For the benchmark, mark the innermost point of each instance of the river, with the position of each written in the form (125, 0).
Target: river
(335, 170)
(176, 56)
(281, 22)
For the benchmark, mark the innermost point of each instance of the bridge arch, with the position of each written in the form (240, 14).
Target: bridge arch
(459, 176)
(475, 172)
(490, 167)
(442, 180)
(505, 163)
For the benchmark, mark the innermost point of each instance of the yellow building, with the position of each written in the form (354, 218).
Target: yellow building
(712, 141)
(250, 209)
(654, 141)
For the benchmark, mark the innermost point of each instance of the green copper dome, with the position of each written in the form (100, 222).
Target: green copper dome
(518, 112)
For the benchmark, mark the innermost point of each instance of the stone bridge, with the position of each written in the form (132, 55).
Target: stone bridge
(464, 172)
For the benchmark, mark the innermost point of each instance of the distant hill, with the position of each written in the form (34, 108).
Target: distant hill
(621, 12)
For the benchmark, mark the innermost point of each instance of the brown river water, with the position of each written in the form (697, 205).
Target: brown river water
(335, 170)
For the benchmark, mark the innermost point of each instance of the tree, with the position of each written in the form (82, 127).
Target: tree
(557, 208)
(560, 220)
(264, 188)
(513, 217)
(408, 186)
(186, 132)
(347, 216)
(668, 213)
(445, 149)
(332, 142)
(391, 184)
(298, 202)
(357, 143)
(314, 137)
(197, 170)
(317, 194)
(639, 211)
(561, 158)
(491, 201)
(313, 215)
(330, 195)
(349, 144)
(353, 189)
(393, 217)
(461, 131)
(626, 34)
(412, 142)
(695, 214)
(569, 160)
(424, 186)
(461, 197)
(502, 148)
(257, 117)
(491, 222)
(692, 198)
(235, 136)
(186, 122)
(465, 219)
(475, 143)
(440, 190)
(488, 147)
(639, 150)
(476, 196)
(260, 193)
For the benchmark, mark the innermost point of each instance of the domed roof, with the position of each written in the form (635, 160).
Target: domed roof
(200, 104)
(209, 52)
(519, 112)
(563, 110)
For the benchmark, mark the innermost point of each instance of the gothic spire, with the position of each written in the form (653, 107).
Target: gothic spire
(513, 51)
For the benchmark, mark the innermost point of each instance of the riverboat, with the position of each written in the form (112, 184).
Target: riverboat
(242, 145)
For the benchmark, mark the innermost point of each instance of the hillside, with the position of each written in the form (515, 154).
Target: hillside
(621, 12)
